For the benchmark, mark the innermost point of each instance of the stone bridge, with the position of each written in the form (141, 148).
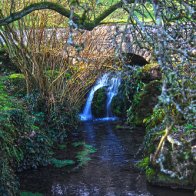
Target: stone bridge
(104, 40)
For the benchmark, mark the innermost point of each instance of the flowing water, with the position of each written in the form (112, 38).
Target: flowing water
(109, 80)
(109, 173)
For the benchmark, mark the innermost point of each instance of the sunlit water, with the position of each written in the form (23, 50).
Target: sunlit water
(109, 173)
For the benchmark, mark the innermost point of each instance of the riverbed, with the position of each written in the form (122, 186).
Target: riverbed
(110, 172)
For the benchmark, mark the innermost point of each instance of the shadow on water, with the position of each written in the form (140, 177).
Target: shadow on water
(109, 173)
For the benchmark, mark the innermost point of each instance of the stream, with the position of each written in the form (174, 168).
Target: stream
(110, 172)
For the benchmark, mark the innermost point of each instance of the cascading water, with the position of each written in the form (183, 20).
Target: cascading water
(112, 91)
(109, 80)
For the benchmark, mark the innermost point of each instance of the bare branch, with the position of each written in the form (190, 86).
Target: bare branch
(79, 20)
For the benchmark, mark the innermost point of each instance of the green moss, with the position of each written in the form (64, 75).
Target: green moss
(165, 179)
(99, 103)
(30, 194)
(8, 181)
(154, 119)
(22, 142)
(150, 173)
(149, 67)
(16, 76)
(118, 106)
(61, 163)
(144, 163)
(143, 103)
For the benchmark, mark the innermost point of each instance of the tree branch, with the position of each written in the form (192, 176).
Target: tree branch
(63, 11)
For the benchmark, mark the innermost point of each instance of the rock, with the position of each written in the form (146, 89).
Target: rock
(151, 72)
(144, 102)
(99, 103)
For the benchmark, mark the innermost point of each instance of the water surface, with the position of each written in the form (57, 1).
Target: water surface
(109, 173)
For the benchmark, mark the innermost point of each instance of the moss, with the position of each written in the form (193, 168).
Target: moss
(149, 67)
(99, 103)
(150, 173)
(155, 119)
(118, 106)
(167, 180)
(143, 103)
(61, 163)
(144, 163)
(30, 194)
(16, 76)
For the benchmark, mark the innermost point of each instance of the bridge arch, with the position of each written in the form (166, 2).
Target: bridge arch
(105, 40)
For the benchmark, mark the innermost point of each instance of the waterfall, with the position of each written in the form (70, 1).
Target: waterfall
(112, 91)
(109, 80)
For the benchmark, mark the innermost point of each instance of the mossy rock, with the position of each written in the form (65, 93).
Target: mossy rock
(99, 103)
(144, 102)
(118, 106)
(166, 181)
(120, 102)
(151, 72)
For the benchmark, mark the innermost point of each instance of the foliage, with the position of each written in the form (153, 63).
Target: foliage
(61, 163)
(60, 122)
(55, 66)
(22, 144)
(83, 155)
(171, 42)
(155, 119)
(36, 149)
(145, 165)
(24, 193)
(8, 181)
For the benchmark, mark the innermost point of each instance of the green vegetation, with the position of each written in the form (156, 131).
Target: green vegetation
(30, 194)
(45, 74)
(23, 144)
(83, 155)
(144, 95)
(61, 163)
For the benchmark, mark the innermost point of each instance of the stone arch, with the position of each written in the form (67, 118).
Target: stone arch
(103, 41)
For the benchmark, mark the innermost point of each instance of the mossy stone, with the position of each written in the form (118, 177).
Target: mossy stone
(144, 102)
(99, 103)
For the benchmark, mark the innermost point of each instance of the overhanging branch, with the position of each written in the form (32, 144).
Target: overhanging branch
(88, 25)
